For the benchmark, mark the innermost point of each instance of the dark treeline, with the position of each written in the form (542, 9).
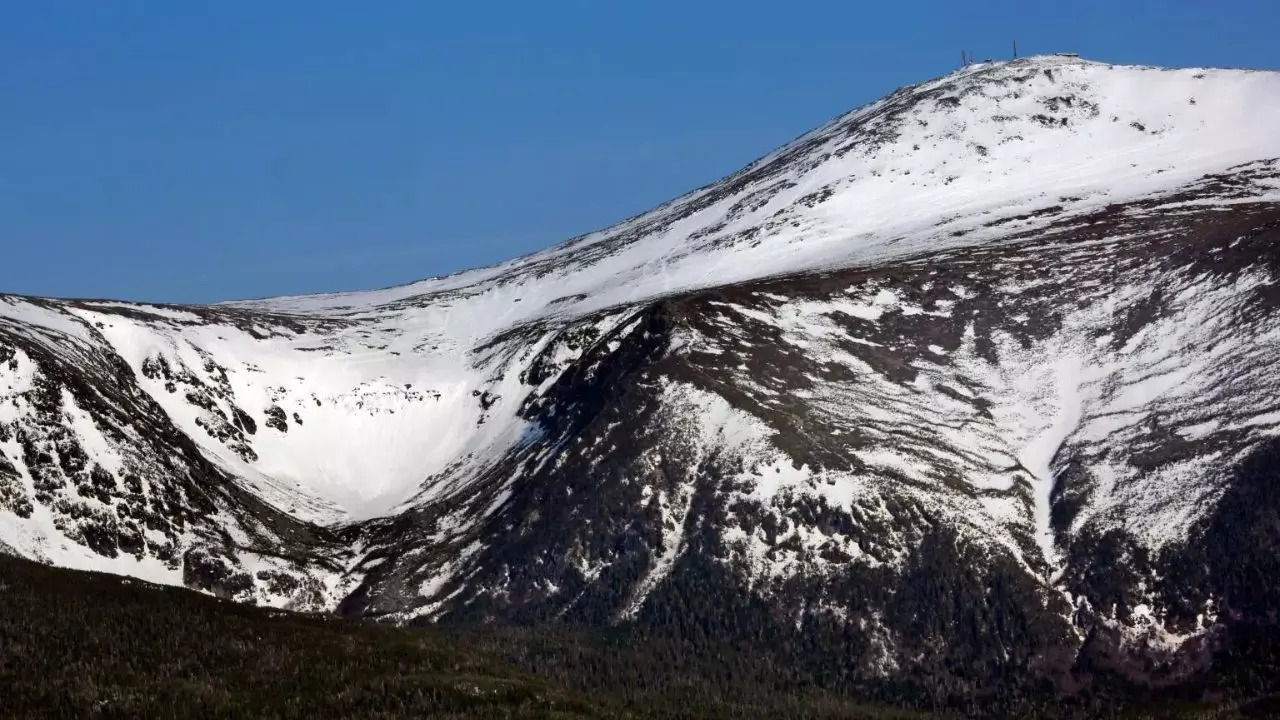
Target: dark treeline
(87, 645)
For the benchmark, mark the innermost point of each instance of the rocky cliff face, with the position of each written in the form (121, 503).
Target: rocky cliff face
(974, 382)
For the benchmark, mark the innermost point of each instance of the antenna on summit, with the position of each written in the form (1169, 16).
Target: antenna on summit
(1015, 49)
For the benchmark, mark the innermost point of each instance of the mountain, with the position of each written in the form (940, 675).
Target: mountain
(970, 389)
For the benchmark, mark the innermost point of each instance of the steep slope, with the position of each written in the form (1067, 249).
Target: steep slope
(974, 382)
(95, 475)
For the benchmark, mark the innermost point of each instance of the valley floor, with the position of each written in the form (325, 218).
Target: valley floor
(87, 645)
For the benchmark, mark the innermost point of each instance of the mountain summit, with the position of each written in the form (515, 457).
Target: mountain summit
(976, 381)
(924, 169)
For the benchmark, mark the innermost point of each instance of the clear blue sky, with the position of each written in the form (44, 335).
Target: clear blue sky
(199, 151)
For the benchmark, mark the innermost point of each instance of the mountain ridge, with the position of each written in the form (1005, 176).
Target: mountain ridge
(1003, 336)
(971, 81)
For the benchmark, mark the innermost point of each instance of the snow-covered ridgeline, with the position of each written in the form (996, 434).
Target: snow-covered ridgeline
(930, 167)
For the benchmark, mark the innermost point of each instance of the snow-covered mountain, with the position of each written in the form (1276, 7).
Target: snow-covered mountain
(982, 370)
